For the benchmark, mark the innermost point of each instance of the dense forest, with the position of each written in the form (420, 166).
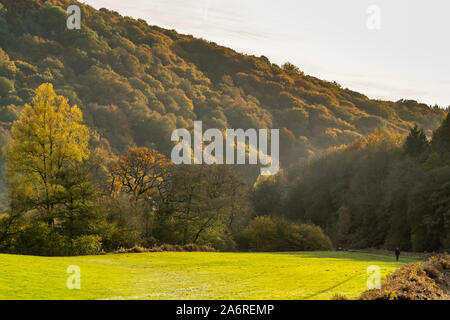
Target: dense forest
(347, 167)
(382, 192)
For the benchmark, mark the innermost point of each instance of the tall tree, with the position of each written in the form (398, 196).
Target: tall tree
(441, 137)
(208, 201)
(138, 182)
(48, 138)
(416, 142)
(140, 173)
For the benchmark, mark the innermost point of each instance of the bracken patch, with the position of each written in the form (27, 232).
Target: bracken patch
(428, 280)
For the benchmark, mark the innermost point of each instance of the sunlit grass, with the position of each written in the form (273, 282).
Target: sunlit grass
(183, 275)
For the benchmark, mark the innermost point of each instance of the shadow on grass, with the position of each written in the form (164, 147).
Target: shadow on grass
(330, 288)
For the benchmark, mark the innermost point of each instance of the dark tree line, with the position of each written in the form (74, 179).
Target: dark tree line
(382, 192)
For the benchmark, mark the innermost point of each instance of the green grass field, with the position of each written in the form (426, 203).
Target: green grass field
(197, 275)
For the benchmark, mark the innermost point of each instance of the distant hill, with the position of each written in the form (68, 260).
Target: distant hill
(135, 83)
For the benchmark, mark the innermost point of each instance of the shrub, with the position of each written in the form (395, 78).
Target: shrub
(86, 244)
(39, 239)
(260, 235)
(313, 237)
(135, 249)
(199, 248)
(168, 247)
(149, 242)
(265, 233)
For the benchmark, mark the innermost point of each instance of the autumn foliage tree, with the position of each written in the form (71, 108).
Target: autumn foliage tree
(48, 138)
(140, 173)
(138, 186)
(47, 180)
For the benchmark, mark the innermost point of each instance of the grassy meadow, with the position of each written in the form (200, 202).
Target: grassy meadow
(192, 275)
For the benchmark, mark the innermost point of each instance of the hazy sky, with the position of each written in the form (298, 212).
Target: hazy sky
(407, 57)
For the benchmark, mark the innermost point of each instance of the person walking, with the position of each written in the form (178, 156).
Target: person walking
(397, 253)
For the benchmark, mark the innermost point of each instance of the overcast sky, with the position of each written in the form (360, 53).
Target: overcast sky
(407, 57)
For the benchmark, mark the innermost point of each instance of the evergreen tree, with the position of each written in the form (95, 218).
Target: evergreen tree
(441, 137)
(416, 143)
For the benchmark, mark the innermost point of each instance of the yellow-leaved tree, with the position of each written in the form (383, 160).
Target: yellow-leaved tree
(47, 139)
